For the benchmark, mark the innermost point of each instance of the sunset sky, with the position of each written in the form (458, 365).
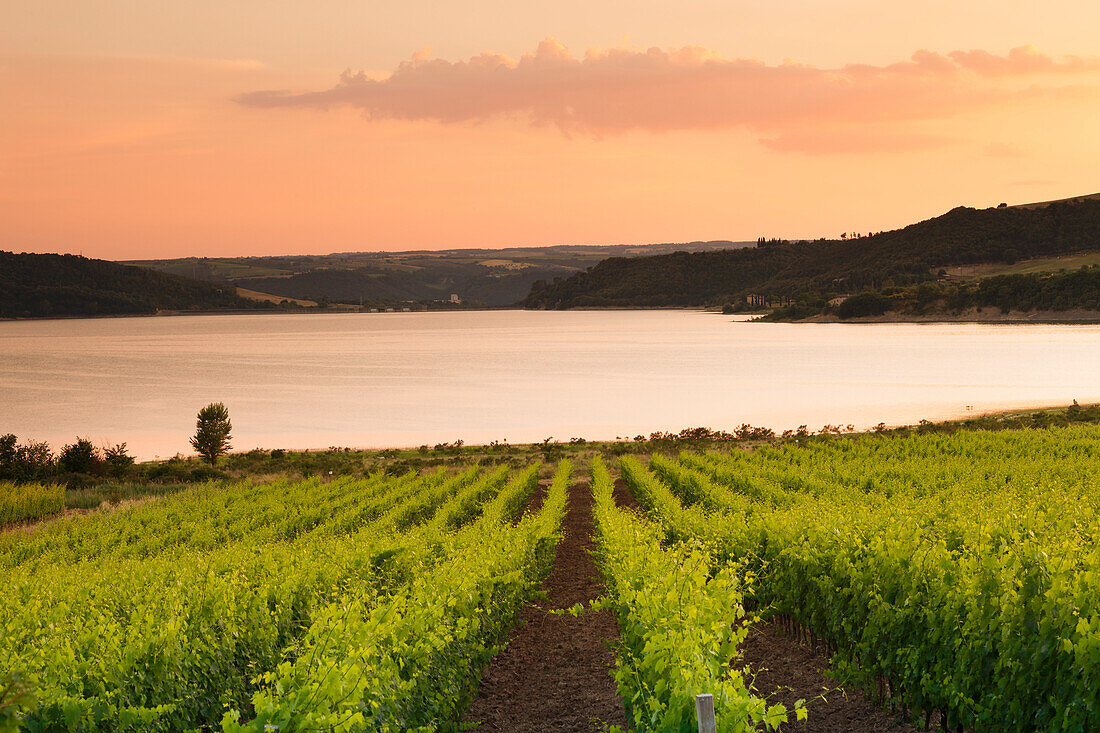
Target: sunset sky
(134, 129)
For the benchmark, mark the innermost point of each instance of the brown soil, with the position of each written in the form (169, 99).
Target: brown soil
(554, 674)
(624, 497)
(787, 671)
(535, 500)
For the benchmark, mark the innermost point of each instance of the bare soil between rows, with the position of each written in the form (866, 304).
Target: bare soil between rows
(554, 673)
(787, 671)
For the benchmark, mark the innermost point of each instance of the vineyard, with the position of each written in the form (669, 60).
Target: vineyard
(28, 502)
(367, 603)
(954, 577)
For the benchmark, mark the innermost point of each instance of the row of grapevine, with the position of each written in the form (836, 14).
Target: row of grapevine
(213, 515)
(410, 663)
(961, 573)
(681, 618)
(147, 635)
(24, 502)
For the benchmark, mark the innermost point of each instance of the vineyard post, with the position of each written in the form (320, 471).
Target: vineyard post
(704, 713)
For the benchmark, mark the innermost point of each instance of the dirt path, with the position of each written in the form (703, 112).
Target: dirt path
(554, 675)
(789, 671)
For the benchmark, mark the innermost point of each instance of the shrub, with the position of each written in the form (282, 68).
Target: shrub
(868, 303)
(80, 457)
(117, 459)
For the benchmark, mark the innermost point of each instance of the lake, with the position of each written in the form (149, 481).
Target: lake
(405, 379)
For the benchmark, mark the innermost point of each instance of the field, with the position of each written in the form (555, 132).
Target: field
(1026, 267)
(269, 298)
(949, 577)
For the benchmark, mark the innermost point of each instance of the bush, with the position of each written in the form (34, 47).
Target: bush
(80, 457)
(25, 462)
(118, 460)
(868, 303)
(206, 473)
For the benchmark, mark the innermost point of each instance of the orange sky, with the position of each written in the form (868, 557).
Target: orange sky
(129, 130)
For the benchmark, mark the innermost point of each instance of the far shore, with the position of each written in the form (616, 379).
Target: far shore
(973, 315)
(341, 309)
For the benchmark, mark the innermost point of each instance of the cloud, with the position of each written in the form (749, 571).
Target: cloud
(691, 88)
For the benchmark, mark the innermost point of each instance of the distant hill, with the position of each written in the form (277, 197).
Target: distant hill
(780, 272)
(35, 285)
(493, 277)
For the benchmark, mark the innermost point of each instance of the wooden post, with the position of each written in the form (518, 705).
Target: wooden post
(704, 713)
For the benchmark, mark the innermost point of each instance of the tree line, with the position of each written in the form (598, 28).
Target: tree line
(81, 461)
(1055, 292)
(42, 285)
(796, 271)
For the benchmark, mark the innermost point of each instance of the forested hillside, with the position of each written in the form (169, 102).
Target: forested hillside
(781, 271)
(36, 285)
(495, 286)
(492, 277)
(1059, 292)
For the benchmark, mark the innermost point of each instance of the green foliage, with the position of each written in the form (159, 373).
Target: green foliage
(23, 502)
(410, 663)
(1077, 290)
(212, 432)
(118, 460)
(682, 617)
(15, 697)
(867, 303)
(962, 568)
(167, 614)
(26, 461)
(80, 457)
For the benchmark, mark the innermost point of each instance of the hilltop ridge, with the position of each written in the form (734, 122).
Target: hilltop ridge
(43, 285)
(781, 272)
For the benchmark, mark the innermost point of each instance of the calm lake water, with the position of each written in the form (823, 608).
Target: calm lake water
(403, 379)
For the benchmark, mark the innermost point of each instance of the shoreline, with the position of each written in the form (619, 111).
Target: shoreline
(603, 444)
(245, 312)
(989, 315)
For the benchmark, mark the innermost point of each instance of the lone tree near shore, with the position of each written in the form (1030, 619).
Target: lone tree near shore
(212, 432)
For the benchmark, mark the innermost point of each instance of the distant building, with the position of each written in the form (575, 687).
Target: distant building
(454, 298)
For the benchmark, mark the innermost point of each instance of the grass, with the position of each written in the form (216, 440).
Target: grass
(1026, 267)
(93, 497)
(269, 298)
(29, 502)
